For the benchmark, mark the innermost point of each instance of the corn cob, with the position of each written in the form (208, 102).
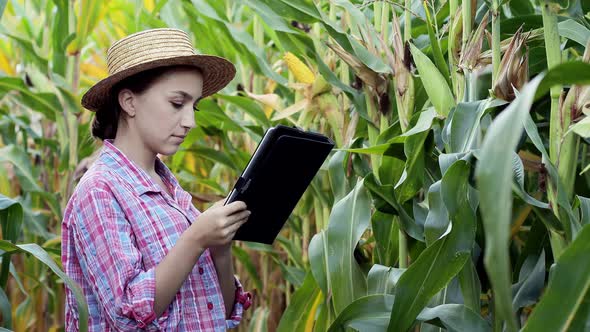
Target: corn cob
(301, 72)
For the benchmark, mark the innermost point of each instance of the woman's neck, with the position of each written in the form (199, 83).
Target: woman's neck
(135, 150)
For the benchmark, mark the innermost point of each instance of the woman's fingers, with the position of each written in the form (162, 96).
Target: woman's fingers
(234, 218)
(235, 207)
(234, 227)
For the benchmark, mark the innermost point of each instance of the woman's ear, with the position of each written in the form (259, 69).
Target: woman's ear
(126, 99)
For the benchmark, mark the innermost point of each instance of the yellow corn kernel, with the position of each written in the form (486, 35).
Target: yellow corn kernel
(301, 72)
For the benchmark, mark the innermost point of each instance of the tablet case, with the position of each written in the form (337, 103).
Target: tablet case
(280, 170)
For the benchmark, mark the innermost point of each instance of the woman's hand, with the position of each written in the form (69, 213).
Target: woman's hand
(217, 226)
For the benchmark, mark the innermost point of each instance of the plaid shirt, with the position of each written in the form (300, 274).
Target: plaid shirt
(118, 225)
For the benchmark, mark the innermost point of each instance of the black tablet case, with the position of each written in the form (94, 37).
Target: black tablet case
(279, 172)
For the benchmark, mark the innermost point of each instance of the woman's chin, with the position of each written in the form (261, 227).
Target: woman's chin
(169, 149)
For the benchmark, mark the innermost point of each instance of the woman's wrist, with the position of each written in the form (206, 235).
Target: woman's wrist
(191, 243)
(221, 252)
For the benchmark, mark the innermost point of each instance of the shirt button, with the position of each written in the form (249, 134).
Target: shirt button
(210, 305)
(201, 271)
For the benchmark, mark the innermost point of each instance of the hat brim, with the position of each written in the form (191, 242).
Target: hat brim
(217, 73)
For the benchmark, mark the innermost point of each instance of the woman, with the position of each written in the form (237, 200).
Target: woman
(145, 257)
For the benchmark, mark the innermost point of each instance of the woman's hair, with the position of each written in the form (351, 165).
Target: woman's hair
(106, 120)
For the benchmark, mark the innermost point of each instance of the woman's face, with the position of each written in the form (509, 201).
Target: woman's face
(165, 111)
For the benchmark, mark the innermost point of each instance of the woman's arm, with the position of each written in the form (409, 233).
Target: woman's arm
(214, 227)
(222, 260)
(173, 271)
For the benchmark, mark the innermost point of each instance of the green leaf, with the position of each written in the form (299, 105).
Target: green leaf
(367, 314)
(11, 218)
(434, 83)
(2, 6)
(571, 72)
(470, 286)
(391, 148)
(250, 107)
(386, 201)
(520, 8)
(465, 123)
(531, 282)
(435, 45)
(584, 210)
(243, 41)
(45, 103)
(382, 279)
(440, 262)
(424, 122)
(567, 288)
(41, 255)
(26, 173)
(299, 311)
(5, 309)
(214, 155)
(211, 115)
(301, 11)
(29, 52)
(336, 175)
(340, 274)
(59, 34)
(259, 322)
(455, 318)
(437, 220)
(371, 313)
(581, 321)
(243, 257)
(575, 31)
(518, 171)
(269, 17)
(568, 220)
(413, 176)
(494, 179)
(581, 128)
(386, 232)
(87, 18)
(350, 43)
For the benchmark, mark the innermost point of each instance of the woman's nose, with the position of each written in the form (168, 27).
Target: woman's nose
(188, 118)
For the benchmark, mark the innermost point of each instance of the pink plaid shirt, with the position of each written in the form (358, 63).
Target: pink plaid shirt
(118, 225)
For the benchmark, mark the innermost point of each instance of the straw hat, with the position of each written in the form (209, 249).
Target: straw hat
(156, 48)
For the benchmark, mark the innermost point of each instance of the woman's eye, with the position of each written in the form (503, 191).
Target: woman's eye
(176, 105)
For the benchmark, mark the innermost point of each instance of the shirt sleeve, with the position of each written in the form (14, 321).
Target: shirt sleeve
(112, 264)
(243, 300)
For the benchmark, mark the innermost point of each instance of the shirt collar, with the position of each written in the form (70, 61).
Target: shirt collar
(135, 175)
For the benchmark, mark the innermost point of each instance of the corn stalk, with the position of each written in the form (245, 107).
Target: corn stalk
(496, 38)
(561, 148)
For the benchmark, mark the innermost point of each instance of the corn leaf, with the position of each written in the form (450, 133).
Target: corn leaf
(441, 261)
(439, 59)
(42, 255)
(301, 308)
(571, 72)
(575, 31)
(434, 83)
(371, 314)
(26, 173)
(494, 178)
(566, 293)
(340, 275)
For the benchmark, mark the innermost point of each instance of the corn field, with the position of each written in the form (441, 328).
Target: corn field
(457, 197)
